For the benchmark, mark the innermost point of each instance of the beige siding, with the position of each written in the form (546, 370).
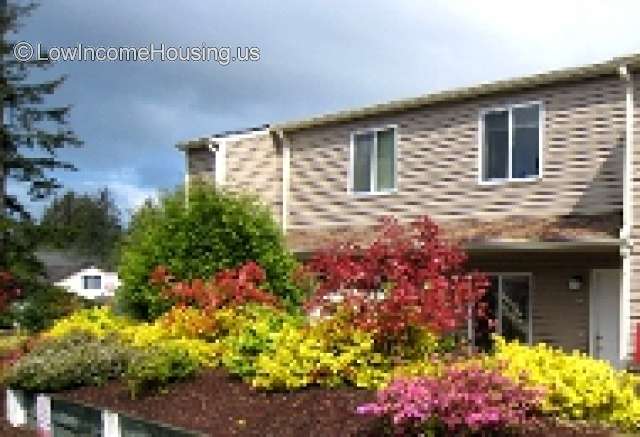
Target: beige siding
(560, 317)
(201, 164)
(438, 162)
(253, 165)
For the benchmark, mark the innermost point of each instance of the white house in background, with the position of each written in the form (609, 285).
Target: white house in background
(91, 283)
(81, 275)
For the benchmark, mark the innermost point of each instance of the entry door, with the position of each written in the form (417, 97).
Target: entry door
(605, 315)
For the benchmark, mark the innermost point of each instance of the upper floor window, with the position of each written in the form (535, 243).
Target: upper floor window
(91, 282)
(511, 143)
(373, 161)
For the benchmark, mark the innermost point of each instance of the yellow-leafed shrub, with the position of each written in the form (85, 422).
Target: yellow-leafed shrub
(188, 322)
(576, 385)
(322, 354)
(98, 321)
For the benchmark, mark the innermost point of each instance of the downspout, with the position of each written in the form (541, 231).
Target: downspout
(220, 154)
(286, 175)
(187, 178)
(627, 215)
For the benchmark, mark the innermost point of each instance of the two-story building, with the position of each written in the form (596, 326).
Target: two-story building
(537, 177)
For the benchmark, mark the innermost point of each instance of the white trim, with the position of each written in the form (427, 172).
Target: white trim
(374, 162)
(481, 149)
(286, 177)
(241, 136)
(221, 163)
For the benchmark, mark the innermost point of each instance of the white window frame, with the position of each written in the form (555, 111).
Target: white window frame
(470, 330)
(85, 280)
(374, 163)
(481, 146)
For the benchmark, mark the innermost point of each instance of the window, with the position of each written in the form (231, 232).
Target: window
(508, 310)
(373, 161)
(91, 282)
(511, 143)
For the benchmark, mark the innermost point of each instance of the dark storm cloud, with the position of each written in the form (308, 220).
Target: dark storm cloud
(316, 56)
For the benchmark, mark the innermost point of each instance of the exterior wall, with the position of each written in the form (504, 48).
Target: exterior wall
(560, 316)
(201, 164)
(109, 282)
(438, 162)
(253, 165)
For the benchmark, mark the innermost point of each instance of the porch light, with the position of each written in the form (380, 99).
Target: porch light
(575, 283)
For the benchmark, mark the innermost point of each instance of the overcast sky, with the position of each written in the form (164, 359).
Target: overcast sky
(315, 57)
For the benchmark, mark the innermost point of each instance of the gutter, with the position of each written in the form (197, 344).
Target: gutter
(627, 213)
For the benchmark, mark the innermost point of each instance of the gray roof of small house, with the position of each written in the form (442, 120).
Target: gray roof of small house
(59, 265)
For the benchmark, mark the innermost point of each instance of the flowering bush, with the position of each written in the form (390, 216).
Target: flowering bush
(229, 287)
(462, 400)
(407, 277)
(218, 230)
(577, 386)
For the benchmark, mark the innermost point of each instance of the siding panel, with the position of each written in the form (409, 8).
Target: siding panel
(438, 162)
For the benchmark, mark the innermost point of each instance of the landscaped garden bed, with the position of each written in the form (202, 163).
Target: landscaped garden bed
(216, 404)
(224, 333)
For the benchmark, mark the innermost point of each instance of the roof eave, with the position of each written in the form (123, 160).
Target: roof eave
(607, 68)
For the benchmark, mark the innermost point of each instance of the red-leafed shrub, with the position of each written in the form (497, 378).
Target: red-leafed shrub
(407, 277)
(9, 290)
(229, 287)
(461, 401)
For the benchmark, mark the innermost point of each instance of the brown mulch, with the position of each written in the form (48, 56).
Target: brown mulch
(218, 405)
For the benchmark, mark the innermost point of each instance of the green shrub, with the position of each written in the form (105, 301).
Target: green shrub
(41, 307)
(247, 332)
(328, 353)
(75, 360)
(155, 367)
(217, 230)
(576, 386)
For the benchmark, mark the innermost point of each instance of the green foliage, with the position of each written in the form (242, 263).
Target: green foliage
(88, 225)
(35, 131)
(328, 354)
(217, 230)
(248, 331)
(159, 365)
(42, 306)
(576, 385)
(97, 321)
(75, 360)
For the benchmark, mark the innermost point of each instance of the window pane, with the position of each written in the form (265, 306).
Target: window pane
(526, 140)
(386, 160)
(515, 308)
(362, 153)
(496, 145)
(484, 327)
(91, 282)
